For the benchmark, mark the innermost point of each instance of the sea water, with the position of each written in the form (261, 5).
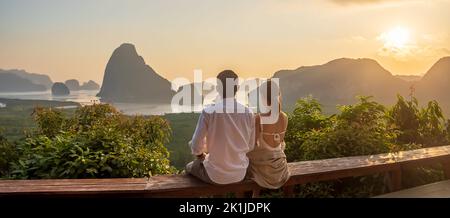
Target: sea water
(88, 97)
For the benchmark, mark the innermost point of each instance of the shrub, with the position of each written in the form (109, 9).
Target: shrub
(359, 129)
(8, 154)
(96, 142)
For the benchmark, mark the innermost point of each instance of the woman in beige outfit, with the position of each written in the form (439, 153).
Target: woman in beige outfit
(268, 165)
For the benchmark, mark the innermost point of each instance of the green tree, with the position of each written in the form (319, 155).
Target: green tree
(306, 117)
(433, 128)
(404, 118)
(415, 125)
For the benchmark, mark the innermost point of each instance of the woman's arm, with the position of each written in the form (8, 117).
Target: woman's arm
(257, 127)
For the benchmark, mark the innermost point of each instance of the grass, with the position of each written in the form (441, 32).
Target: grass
(183, 126)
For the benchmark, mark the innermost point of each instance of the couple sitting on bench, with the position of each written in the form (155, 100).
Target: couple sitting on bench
(232, 143)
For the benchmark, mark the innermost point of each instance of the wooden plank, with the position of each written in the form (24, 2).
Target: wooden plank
(65, 182)
(72, 188)
(434, 190)
(189, 186)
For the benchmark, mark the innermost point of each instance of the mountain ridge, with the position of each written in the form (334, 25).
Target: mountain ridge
(339, 81)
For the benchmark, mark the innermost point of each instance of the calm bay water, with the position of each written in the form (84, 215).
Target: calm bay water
(88, 97)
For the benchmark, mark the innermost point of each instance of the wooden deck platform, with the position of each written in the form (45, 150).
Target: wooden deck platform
(434, 190)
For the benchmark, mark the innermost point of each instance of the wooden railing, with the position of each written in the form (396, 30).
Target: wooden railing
(391, 164)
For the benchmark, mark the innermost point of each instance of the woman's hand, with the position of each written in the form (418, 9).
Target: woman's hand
(201, 156)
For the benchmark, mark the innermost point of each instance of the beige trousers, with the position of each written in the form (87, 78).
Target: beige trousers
(197, 169)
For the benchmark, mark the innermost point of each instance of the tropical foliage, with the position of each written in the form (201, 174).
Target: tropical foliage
(96, 142)
(364, 128)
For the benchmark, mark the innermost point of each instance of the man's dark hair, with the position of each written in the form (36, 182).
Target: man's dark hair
(222, 77)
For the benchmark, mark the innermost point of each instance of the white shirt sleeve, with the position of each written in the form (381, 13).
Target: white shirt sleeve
(198, 142)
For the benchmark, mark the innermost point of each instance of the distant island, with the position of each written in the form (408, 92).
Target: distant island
(59, 88)
(90, 85)
(128, 78)
(74, 85)
(22, 81)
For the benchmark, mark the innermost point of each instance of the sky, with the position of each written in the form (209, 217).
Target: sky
(74, 39)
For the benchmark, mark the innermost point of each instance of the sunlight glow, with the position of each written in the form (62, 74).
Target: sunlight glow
(396, 38)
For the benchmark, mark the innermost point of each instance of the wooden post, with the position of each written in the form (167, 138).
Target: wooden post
(288, 191)
(446, 168)
(395, 180)
(256, 192)
(240, 194)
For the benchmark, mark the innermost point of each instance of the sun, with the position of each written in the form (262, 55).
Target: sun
(396, 38)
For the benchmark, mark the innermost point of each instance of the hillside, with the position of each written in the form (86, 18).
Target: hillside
(339, 81)
(435, 85)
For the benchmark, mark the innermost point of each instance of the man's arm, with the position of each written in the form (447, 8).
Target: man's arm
(198, 142)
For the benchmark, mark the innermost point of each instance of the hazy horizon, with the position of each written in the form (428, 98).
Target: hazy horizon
(68, 39)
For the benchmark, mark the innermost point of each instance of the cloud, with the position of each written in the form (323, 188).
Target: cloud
(413, 52)
(358, 38)
(359, 2)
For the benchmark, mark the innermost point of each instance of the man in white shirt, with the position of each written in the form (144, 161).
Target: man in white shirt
(225, 133)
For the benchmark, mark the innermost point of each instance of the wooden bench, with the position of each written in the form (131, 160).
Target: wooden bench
(186, 186)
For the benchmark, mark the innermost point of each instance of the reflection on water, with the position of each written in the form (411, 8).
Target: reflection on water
(143, 109)
(83, 97)
(88, 97)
